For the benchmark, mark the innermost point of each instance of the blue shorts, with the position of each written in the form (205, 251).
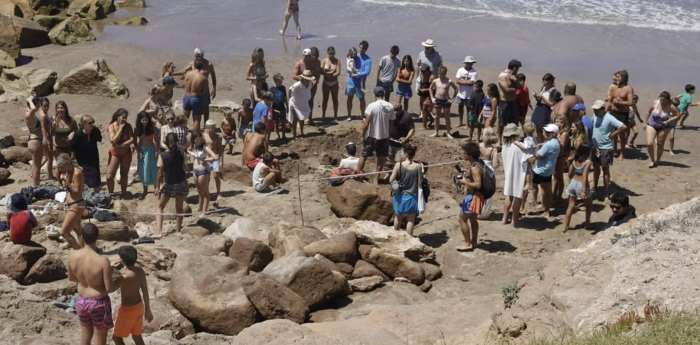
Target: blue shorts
(198, 173)
(404, 90)
(405, 204)
(261, 187)
(354, 90)
(467, 204)
(193, 104)
(216, 165)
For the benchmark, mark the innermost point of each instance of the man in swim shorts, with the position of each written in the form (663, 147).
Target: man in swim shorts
(208, 70)
(620, 100)
(508, 84)
(193, 101)
(133, 309)
(93, 273)
(254, 146)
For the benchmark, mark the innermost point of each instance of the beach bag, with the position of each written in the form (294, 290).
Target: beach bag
(488, 180)
(337, 176)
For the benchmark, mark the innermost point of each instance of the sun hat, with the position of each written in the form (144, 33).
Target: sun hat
(306, 51)
(307, 76)
(429, 43)
(378, 91)
(469, 59)
(510, 130)
(18, 203)
(551, 128)
(598, 105)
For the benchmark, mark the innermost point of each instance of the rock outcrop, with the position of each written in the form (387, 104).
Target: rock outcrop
(361, 201)
(244, 227)
(16, 259)
(6, 62)
(25, 80)
(46, 270)
(4, 175)
(90, 9)
(274, 300)
(31, 34)
(254, 254)
(71, 31)
(131, 20)
(48, 22)
(115, 231)
(9, 40)
(92, 78)
(339, 248)
(156, 259)
(286, 238)
(393, 265)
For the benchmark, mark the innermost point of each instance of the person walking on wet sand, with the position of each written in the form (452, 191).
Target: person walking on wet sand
(606, 128)
(133, 309)
(440, 94)
(660, 116)
(206, 68)
(196, 92)
(356, 80)
(378, 123)
(93, 273)
(473, 203)
(685, 101)
(292, 11)
(620, 101)
(508, 104)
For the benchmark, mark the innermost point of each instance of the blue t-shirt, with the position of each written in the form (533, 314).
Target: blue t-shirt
(279, 94)
(261, 109)
(602, 128)
(548, 153)
(363, 64)
(589, 127)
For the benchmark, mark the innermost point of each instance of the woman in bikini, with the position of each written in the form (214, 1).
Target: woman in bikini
(292, 11)
(201, 156)
(489, 113)
(121, 135)
(424, 94)
(34, 118)
(48, 138)
(404, 80)
(330, 70)
(65, 128)
(157, 105)
(147, 137)
(256, 66)
(660, 115)
(172, 182)
(71, 178)
(440, 94)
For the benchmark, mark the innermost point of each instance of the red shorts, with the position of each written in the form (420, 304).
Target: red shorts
(251, 164)
(94, 312)
(270, 124)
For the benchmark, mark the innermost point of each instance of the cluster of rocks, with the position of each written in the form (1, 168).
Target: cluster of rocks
(11, 154)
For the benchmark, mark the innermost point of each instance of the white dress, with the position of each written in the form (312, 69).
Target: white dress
(299, 97)
(515, 169)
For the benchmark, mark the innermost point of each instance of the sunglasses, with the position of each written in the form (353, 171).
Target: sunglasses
(615, 207)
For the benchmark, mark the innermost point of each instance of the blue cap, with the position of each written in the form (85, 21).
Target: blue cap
(18, 203)
(579, 107)
(379, 91)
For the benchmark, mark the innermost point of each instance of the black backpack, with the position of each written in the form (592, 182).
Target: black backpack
(488, 180)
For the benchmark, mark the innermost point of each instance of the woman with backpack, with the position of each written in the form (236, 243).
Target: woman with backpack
(489, 154)
(405, 181)
(480, 183)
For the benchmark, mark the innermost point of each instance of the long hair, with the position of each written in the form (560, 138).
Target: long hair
(119, 112)
(493, 90)
(171, 143)
(140, 129)
(410, 63)
(166, 68)
(489, 137)
(581, 129)
(67, 118)
(257, 57)
(197, 135)
(583, 153)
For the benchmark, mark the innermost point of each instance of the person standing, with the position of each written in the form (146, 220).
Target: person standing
(619, 103)
(146, 141)
(71, 179)
(473, 203)
(299, 96)
(386, 74)
(430, 57)
(47, 142)
(515, 173)
(133, 309)
(206, 68)
(291, 11)
(379, 119)
(401, 131)
(684, 102)
(356, 81)
(404, 79)
(660, 116)
(34, 119)
(216, 144)
(523, 97)
(579, 188)
(440, 94)
(201, 157)
(541, 116)
(309, 63)
(196, 94)
(508, 105)
(93, 273)
(465, 79)
(545, 161)
(408, 174)
(330, 69)
(86, 153)
(566, 106)
(121, 136)
(489, 155)
(606, 128)
(172, 182)
(256, 66)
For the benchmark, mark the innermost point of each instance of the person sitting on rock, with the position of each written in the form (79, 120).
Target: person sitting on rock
(254, 146)
(20, 221)
(350, 161)
(621, 209)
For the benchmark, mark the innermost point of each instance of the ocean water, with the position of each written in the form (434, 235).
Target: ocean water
(584, 41)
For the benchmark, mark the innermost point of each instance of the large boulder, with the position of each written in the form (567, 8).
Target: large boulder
(340, 248)
(47, 7)
(212, 245)
(286, 238)
(309, 277)
(254, 254)
(13, 8)
(365, 269)
(91, 9)
(48, 22)
(4, 175)
(6, 62)
(48, 269)
(245, 227)
(17, 259)
(6, 140)
(114, 231)
(31, 34)
(166, 317)
(71, 31)
(362, 201)
(274, 300)
(15, 154)
(208, 291)
(25, 80)
(156, 259)
(282, 332)
(366, 284)
(131, 3)
(92, 78)
(131, 20)
(9, 40)
(54, 290)
(393, 265)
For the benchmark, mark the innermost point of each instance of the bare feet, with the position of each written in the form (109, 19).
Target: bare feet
(652, 165)
(671, 152)
(434, 135)
(281, 32)
(621, 158)
(466, 247)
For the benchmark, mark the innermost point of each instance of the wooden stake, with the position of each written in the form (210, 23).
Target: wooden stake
(301, 209)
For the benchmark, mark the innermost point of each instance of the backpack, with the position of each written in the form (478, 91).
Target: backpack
(337, 176)
(488, 180)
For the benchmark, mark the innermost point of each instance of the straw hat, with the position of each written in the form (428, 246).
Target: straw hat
(307, 76)
(429, 43)
(510, 130)
(469, 59)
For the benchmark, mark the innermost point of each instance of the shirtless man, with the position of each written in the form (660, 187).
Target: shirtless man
(208, 70)
(508, 84)
(213, 141)
(93, 273)
(254, 146)
(196, 85)
(72, 179)
(133, 308)
(309, 62)
(228, 130)
(620, 100)
(440, 94)
(566, 106)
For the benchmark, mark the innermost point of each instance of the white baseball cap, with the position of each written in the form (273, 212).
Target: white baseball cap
(551, 128)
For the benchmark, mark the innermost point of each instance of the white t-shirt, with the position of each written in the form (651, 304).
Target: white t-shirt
(465, 90)
(349, 163)
(530, 145)
(380, 112)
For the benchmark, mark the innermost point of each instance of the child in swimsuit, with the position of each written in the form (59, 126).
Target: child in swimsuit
(579, 187)
(424, 94)
(245, 119)
(228, 130)
(133, 309)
